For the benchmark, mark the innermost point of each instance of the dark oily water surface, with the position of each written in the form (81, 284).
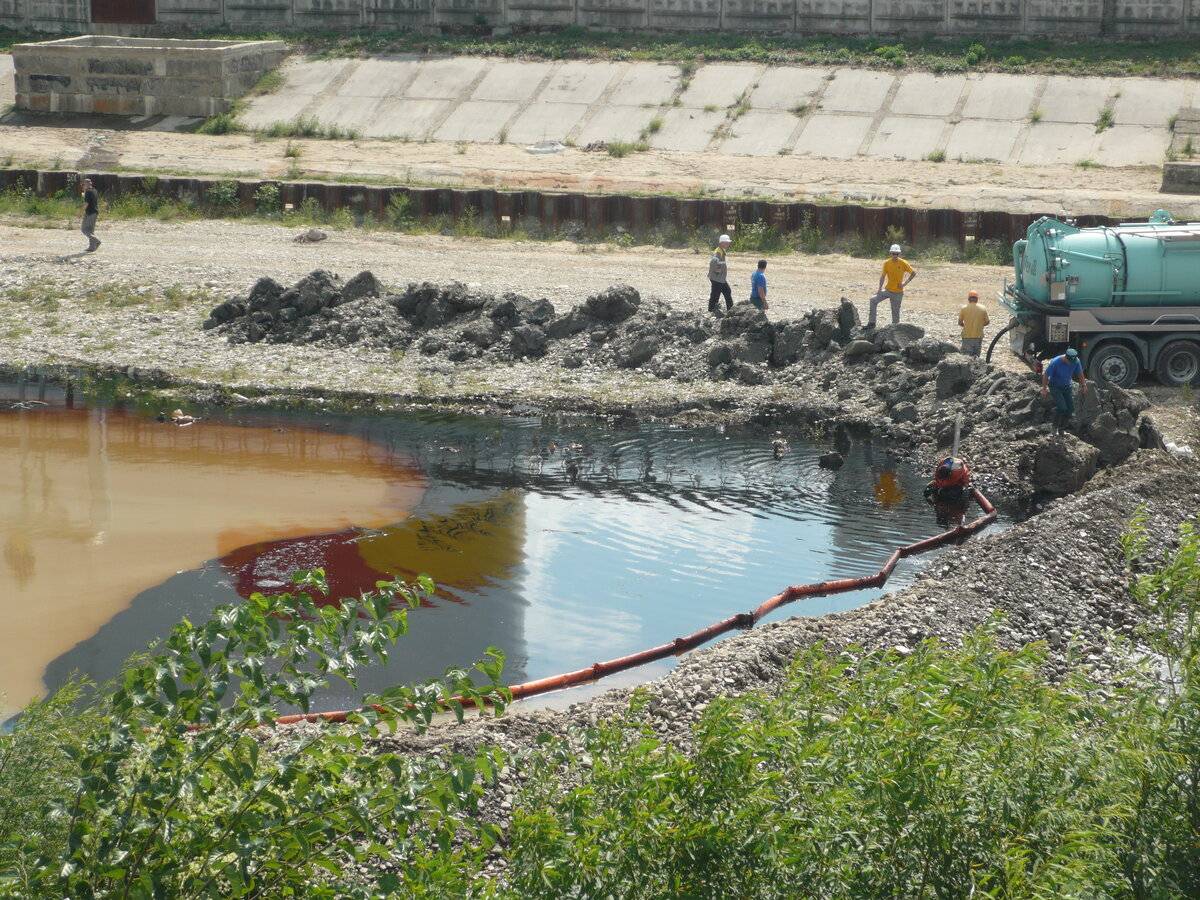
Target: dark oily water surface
(562, 543)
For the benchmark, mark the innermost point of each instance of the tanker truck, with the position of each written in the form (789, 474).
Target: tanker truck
(1126, 297)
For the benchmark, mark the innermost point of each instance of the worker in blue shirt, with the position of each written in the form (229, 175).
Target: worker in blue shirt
(758, 286)
(1056, 382)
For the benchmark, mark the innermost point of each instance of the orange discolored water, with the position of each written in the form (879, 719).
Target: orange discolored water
(98, 505)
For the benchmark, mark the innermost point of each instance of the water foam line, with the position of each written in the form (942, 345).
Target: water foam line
(744, 620)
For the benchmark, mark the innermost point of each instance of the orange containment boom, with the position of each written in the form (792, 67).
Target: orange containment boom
(740, 620)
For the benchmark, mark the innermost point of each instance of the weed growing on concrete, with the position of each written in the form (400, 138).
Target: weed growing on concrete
(310, 127)
(710, 107)
(1188, 150)
(1087, 164)
(800, 109)
(936, 156)
(503, 136)
(292, 151)
(621, 149)
(1036, 115)
(221, 123)
(270, 83)
(1105, 120)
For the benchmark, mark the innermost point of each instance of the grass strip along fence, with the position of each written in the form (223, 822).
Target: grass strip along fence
(743, 620)
(494, 211)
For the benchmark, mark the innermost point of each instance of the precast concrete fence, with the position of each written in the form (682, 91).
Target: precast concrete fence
(1066, 18)
(568, 211)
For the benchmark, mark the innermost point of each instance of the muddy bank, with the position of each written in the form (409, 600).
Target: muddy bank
(829, 370)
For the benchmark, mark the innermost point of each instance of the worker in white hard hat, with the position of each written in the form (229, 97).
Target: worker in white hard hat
(895, 277)
(718, 274)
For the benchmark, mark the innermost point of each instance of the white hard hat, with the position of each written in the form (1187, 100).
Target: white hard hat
(895, 248)
(724, 239)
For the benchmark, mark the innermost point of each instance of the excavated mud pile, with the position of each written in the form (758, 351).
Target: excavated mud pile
(893, 382)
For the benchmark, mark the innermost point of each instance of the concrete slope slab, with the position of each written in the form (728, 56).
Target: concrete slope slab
(1132, 145)
(1151, 101)
(761, 133)
(7, 84)
(400, 117)
(1074, 99)
(981, 141)
(926, 94)
(856, 90)
(512, 81)
(906, 137)
(267, 109)
(477, 120)
(445, 79)
(579, 82)
(646, 83)
(546, 122)
(719, 85)
(1058, 143)
(1008, 97)
(687, 129)
(380, 78)
(615, 123)
(836, 137)
(788, 87)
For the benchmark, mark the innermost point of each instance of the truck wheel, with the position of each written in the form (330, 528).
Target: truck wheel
(1178, 364)
(1115, 364)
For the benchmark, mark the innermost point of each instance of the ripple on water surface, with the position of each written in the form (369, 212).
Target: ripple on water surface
(562, 544)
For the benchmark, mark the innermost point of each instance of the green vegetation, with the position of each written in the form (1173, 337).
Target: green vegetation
(1036, 115)
(166, 789)
(936, 156)
(936, 772)
(1105, 120)
(621, 149)
(222, 200)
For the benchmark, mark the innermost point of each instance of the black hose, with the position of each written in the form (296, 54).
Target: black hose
(1001, 333)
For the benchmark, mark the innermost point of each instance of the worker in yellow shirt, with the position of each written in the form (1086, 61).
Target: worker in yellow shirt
(973, 318)
(896, 275)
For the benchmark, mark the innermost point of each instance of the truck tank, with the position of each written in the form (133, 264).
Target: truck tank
(1154, 263)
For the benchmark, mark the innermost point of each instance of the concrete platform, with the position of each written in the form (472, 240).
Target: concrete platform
(8, 92)
(404, 118)
(445, 79)
(512, 81)
(615, 123)
(1150, 101)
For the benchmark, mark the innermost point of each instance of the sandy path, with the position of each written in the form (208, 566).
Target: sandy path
(231, 255)
(1057, 189)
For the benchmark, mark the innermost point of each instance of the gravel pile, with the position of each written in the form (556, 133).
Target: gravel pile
(894, 382)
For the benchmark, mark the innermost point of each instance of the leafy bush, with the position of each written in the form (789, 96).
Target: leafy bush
(223, 195)
(266, 199)
(760, 237)
(178, 795)
(398, 210)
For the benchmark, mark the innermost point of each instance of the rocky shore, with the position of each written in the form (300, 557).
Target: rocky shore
(893, 382)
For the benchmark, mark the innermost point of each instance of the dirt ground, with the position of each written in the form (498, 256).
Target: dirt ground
(1052, 189)
(214, 259)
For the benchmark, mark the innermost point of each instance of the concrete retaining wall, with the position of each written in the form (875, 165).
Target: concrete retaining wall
(599, 212)
(1148, 18)
(139, 76)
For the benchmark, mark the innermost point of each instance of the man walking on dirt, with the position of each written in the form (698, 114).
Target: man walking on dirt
(892, 282)
(718, 274)
(91, 209)
(1056, 382)
(758, 286)
(973, 318)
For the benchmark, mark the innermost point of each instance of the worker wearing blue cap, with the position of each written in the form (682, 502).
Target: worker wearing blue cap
(1056, 382)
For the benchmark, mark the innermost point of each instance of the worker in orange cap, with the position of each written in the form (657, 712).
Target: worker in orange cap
(973, 318)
